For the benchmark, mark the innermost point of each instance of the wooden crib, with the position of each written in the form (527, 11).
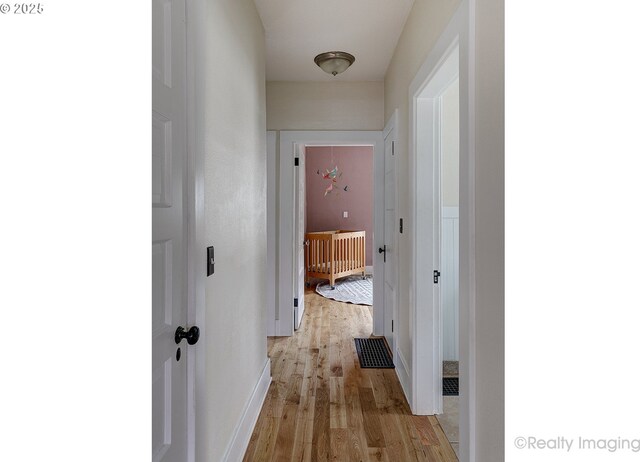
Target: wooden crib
(334, 254)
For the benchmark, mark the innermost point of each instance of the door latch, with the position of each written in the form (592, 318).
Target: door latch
(436, 275)
(383, 250)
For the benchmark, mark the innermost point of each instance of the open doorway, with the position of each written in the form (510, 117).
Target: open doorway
(336, 222)
(293, 148)
(437, 142)
(438, 135)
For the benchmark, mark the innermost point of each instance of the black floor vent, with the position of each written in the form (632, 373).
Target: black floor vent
(450, 386)
(373, 353)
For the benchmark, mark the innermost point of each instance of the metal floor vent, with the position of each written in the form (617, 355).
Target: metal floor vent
(373, 353)
(450, 386)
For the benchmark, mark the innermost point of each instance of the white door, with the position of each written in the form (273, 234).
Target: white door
(390, 247)
(169, 236)
(299, 241)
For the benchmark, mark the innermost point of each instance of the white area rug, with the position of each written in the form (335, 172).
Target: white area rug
(352, 289)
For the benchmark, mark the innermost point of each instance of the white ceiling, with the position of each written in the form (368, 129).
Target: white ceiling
(298, 30)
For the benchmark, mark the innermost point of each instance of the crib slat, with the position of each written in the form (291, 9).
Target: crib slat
(356, 246)
(356, 251)
(347, 243)
(345, 246)
(340, 256)
(325, 255)
(352, 242)
(314, 255)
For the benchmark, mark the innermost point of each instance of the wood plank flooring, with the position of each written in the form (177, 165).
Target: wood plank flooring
(321, 406)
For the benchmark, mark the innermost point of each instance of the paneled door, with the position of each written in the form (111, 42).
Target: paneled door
(169, 234)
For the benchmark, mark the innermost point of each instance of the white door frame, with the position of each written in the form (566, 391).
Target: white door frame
(427, 347)
(391, 129)
(426, 360)
(288, 140)
(299, 221)
(272, 247)
(196, 244)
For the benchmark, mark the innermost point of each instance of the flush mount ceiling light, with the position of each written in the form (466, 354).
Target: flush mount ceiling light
(334, 62)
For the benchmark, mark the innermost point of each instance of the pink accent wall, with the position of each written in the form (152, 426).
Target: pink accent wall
(355, 163)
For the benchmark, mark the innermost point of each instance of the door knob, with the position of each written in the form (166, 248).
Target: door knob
(383, 250)
(192, 335)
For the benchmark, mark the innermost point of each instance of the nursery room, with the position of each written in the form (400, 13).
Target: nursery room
(339, 222)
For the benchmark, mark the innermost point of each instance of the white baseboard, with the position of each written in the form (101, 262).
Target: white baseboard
(404, 375)
(244, 429)
(368, 270)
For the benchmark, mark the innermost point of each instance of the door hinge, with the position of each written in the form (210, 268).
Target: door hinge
(296, 161)
(436, 275)
(392, 325)
(295, 303)
(393, 148)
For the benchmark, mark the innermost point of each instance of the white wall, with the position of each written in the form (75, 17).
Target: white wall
(325, 105)
(233, 127)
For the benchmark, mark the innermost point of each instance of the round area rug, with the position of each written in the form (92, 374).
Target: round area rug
(352, 289)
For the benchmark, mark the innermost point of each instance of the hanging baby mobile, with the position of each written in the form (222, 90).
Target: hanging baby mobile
(333, 175)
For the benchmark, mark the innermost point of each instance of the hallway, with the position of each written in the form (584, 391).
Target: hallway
(322, 406)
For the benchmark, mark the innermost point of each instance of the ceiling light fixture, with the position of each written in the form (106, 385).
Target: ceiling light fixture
(334, 62)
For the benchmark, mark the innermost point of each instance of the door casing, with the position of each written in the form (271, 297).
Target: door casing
(196, 242)
(391, 312)
(299, 226)
(428, 322)
(288, 141)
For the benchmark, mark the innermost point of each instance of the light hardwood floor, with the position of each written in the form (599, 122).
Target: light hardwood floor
(322, 406)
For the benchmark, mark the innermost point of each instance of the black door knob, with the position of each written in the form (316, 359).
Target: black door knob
(192, 335)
